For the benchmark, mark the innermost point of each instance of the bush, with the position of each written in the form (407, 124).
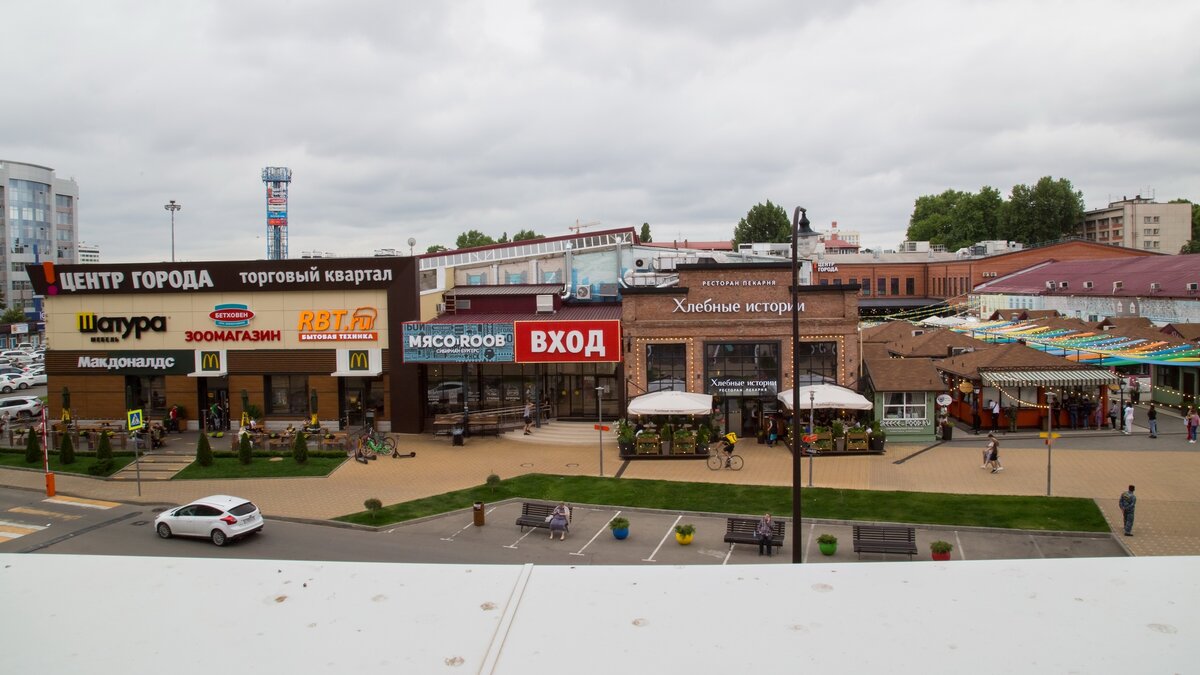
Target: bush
(101, 468)
(300, 448)
(493, 481)
(104, 448)
(33, 447)
(685, 530)
(245, 453)
(940, 546)
(373, 505)
(66, 450)
(827, 539)
(619, 523)
(204, 453)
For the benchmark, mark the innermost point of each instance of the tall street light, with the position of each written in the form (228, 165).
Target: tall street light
(803, 239)
(172, 207)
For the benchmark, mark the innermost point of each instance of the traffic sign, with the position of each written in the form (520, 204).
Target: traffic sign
(599, 427)
(1052, 435)
(133, 420)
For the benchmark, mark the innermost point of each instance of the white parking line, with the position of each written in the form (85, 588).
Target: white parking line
(726, 560)
(598, 533)
(958, 542)
(807, 545)
(469, 526)
(1033, 540)
(664, 539)
(514, 544)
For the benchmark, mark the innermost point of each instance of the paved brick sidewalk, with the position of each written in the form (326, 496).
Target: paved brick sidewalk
(1096, 465)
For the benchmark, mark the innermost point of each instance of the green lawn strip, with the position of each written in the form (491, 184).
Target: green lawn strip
(16, 458)
(261, 467)
(1032, 513)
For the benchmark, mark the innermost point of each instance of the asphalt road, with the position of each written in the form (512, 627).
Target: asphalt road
(31, 524)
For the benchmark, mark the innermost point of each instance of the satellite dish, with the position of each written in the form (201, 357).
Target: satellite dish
(412, 241)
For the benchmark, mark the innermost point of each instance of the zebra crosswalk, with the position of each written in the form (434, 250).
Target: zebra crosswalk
(14, 521)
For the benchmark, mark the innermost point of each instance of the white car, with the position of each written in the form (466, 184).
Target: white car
(10, 382)
(219, 518)
(21, 407)
(17, 356)
(37, 377)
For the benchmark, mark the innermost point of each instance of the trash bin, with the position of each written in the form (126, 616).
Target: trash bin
(477, 514)
(456, 435)
(947, 432)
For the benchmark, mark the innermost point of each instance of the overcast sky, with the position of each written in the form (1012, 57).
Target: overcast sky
(426, 119)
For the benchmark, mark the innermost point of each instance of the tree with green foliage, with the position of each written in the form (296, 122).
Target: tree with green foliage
(66, 449)
(956, 219)
(526, 235)
(13, 315)
(33, 447)
(473, 238)
(104, 447)
(204, 453)
(762, 224)
(245, 452)
(300, 448)
(436, 248)
(1050, 210)
(644, 235)
(503, 238)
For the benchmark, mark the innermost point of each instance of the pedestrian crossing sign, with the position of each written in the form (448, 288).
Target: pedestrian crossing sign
(133, 420)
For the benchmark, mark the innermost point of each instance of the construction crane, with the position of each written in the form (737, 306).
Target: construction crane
(579, 226)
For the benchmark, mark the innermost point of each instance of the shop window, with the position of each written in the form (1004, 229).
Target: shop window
(286, 395)
(757, 364)
(865, 285)
(818, 362)
(904, 405)
(895, 286)
(148, 392)
(881, 286)
(666, 367)
(910, 286)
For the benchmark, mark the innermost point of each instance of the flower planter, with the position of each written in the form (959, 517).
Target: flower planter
(683, 539)
(621, 533)
(828, 549)
(941, 556)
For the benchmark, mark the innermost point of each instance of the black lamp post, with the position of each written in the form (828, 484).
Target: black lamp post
(802, 237)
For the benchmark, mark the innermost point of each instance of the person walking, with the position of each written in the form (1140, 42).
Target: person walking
(1128, 418)
(764, 530)
(528, 417)
(1152, 416)
(1128, 503)
(993, 454)
(1192, 421)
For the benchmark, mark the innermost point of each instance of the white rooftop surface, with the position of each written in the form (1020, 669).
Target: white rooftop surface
(100, 614)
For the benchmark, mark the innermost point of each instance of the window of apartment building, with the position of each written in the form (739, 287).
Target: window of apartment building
(1117, 221)
(881, 286)
(286, 394)
(1116, 234)
(1156, 243)
(1147, 244)
(1146, 220)
(1155, 219)
(910, 286)
(895, 286)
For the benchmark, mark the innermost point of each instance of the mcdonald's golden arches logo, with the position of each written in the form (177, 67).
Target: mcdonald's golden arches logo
(358, 359)
(210, 360)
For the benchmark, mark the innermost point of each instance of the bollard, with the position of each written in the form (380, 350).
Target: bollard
(477, 514)
(49, 484)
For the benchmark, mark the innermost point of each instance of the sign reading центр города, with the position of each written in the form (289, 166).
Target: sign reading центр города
(458, 343)
(568, 341)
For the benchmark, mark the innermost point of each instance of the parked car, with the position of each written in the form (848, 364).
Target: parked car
(17, 356)
(37, 377)
(10, 382)
(219, 518)
(21, 407)
(11, 370)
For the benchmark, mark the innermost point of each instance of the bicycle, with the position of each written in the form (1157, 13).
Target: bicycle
(718, 459)
(372, 445)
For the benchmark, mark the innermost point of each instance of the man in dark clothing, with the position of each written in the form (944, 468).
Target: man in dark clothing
(1127, 503)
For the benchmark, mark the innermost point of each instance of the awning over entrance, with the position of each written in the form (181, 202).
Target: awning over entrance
(1047, 378)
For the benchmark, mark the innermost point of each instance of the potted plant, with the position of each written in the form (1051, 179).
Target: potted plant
(838, 431)
(941, 549)
(878, 437)
(619, 527)
(684, 533)
(703, 438)
(827, 543)
(683, 442)
(625, 437)
(667, 435)
(857, 438)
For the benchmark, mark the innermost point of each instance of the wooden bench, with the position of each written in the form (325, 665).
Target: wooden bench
(534, 515)
(885, 539)
(742, 531)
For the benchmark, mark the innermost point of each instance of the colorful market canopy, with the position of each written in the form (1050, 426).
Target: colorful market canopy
(1046, 378)
(1096, 348)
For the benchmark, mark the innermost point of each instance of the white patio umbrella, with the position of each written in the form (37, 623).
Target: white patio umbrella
(827, 396)
(671, 403)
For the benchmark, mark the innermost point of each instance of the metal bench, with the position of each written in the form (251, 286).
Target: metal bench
(885, 539)
(742, 531)
(535, 515)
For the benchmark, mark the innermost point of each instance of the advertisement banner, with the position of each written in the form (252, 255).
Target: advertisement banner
(568, 341)
(150, 362)
(277, 221)
(458, 343)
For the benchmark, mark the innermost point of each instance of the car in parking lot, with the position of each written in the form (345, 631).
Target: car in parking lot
(218, 518)
(21, 407)
(10, 382)
(37, 376)
(17, 356)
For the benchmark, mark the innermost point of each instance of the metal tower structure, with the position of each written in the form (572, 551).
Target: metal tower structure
(277, 179)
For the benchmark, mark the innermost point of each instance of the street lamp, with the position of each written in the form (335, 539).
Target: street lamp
(172, 207)
(600, 425)
(803, 238)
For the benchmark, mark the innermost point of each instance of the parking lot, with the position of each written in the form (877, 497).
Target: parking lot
(651, 540)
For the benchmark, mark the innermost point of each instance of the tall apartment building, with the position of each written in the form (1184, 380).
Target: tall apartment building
(88, 253)
(39, 214)
(1139, 223)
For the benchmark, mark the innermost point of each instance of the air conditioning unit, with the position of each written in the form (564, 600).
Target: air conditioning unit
(1118, 285)
(1087, 284)
(641, 264)
(1062, 284)
(583, 293)
(1193, 286)
(545, 303)
(1049, 285)
(440, 308)
(1155, 286)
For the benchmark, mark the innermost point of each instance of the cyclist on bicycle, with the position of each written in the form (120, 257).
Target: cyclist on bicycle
(728, 441)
